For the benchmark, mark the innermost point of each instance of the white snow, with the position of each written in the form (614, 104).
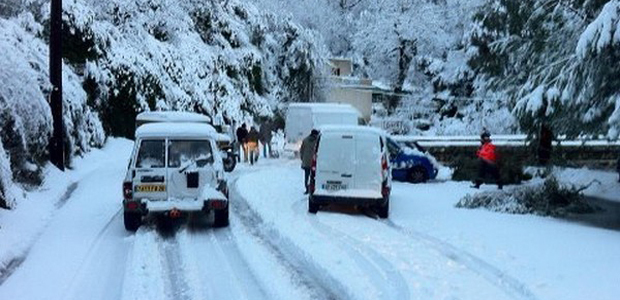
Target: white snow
(275, 249)
(176, 130)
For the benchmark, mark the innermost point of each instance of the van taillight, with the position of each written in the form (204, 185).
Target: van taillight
(384, 163)
(127, 190)
(385, 189)
(385, 168)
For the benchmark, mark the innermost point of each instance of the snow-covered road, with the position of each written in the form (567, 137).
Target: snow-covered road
(274, 249)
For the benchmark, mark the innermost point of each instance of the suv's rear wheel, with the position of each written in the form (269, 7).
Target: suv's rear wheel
(132, 220)
(418, 175)
(220, 217)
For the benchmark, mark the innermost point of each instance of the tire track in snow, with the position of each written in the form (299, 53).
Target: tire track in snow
(155, 269)
(383, 274)
(510, 285)
(304, 270)
(217, 265)
(175, 281)
(89, 256)
(12, 265)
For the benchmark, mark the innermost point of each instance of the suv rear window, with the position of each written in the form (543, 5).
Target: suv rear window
(152, 154)
(184, 152)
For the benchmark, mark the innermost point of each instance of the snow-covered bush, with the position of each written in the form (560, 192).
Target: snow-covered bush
(548, 198)
(25, 116)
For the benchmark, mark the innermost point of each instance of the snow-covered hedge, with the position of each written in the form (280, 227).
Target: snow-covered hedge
(225, 59)
(25, 116)
(546, 198)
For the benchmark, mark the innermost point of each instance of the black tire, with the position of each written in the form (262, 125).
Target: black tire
(418, 175)
(229, 163)
(220, 217)
(132, 221)
(383, 211)
(313, 208)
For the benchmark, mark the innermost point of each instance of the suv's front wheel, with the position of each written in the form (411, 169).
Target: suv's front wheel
(132, 220)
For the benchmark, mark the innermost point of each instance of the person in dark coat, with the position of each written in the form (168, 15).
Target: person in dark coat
(242, 133)
(306, 153)
(618, 168)
(265, 138)
(544, 146)
(252, 144)
(487, 161)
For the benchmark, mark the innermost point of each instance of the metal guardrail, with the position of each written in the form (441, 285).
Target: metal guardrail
(500, 140)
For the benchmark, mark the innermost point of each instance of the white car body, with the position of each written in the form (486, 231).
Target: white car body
(175, 166)
(352, 167)
(301, 118)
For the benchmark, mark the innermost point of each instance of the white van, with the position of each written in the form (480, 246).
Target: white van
(174, 168)
(301, 118)
(351, 166)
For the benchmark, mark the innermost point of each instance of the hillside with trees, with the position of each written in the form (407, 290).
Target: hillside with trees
(225, 59)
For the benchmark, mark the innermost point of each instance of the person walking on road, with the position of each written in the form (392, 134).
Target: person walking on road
(242, 134)
(306, 153)
(618, 168)
(487, 161)
(265, 138)
(252, 145)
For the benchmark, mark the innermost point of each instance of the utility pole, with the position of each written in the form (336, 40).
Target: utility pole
(56, 147)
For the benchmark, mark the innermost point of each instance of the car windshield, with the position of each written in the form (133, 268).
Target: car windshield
(151, 154)
(185, 152)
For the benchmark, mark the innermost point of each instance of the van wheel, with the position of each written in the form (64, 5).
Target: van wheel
(313, 208)
(418, 175)
(383, 211)
(220, 217)
(132, 221)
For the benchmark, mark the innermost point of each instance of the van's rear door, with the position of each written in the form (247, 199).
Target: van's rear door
(335, 161)
(368, 162)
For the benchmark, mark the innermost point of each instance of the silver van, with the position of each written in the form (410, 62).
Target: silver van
(175, 168)
(351, 166)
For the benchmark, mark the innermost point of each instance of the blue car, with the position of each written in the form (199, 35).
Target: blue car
(409, 164)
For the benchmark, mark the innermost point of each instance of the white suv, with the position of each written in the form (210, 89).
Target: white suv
(175, 168)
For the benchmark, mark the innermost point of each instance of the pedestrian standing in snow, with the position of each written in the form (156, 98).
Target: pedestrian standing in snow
(252, 145)
(242, 134)
(487, 161)
(618, 168)
(544, 146)
(306, 152)
(265, 138)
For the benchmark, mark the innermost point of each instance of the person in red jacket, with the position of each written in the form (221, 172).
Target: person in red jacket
(487, 161)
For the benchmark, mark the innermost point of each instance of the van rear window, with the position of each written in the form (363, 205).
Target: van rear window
(152, 154)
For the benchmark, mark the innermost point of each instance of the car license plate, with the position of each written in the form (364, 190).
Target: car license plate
(334, 187)
(150, 188)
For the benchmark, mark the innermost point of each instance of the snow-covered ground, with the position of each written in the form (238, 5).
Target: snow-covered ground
(68, 242)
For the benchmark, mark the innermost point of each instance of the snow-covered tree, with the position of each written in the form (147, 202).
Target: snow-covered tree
(556, 65)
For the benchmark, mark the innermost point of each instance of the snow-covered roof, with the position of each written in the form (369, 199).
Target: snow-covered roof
(326, 107)
(172, 116)
(351, 128)
(176, 130)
